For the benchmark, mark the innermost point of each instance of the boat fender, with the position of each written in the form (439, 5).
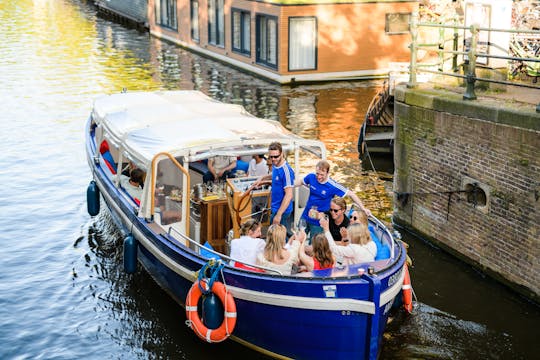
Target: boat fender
(130, 254)
(194, 320)
(407, 290)
(212, 311)
(92, 198)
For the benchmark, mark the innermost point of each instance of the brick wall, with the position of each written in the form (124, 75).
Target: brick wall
(443, 141)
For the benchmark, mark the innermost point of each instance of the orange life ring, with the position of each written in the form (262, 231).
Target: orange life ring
(407, 290)
(195, 322)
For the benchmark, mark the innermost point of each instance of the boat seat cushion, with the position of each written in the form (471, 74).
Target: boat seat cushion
(107, 156)
(239, 265)
(207, 253)
(199, 166)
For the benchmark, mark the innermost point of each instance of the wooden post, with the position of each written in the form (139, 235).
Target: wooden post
(413, 46)
(471, 74)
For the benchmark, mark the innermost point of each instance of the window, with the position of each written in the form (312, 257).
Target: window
(241, 31)
(166, 13)
(267, 40)
(397, 23)
(302, 43)
(216, 23)
(195, 20)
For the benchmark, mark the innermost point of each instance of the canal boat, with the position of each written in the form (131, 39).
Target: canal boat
(376, 134)
(178, 229)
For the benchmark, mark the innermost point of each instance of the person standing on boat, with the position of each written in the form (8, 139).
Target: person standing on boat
(282, 187)
(322, 188)
(219, 168)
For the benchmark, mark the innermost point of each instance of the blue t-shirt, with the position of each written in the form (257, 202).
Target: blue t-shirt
(320, 195)
(282, 177)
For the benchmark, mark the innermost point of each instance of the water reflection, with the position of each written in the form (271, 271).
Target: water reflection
(64, 292)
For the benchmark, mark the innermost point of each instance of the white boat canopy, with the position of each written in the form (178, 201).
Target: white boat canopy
(190, 125)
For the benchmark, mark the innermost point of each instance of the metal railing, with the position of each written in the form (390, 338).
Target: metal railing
(468, 49)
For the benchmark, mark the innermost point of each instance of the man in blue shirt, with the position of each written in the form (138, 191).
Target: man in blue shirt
(282, 187)
(322, 189)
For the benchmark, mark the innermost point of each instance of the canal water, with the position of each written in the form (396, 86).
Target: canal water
(63, 294)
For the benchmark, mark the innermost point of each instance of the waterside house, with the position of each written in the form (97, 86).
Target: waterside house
(289, 41)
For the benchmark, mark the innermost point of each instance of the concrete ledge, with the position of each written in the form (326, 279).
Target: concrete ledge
(502, 111)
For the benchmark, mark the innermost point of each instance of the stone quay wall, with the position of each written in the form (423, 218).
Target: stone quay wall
(467, 177)
(134, 12)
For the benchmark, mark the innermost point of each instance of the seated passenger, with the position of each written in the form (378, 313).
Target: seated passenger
(322, 255)
(219, 168)
(360, 217)
(246, 248)
(257, 166)
(132, 184)
(275, 255)
(359, 247)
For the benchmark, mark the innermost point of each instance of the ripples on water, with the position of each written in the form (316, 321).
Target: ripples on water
(63, 293)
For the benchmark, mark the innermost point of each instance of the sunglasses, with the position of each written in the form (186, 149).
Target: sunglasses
(335, 210)
(274, 156)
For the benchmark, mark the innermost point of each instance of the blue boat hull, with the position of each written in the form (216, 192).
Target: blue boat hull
(338, 314)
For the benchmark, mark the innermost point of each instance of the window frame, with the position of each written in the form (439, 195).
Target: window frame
(258, 59)
(387, 23)
(158, 13)
(195, 31)
(315, 43)
(219, 41)
(242, 49)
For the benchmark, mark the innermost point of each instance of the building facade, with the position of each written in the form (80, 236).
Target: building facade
(290, 40)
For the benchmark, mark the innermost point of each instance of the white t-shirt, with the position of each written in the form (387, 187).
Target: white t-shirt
(221, 162)
(259, 169)
(246, 248)
(133, 191)
(352, 253)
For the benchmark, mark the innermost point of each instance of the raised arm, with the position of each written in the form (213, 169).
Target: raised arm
(344, 251)
(358, 202)
(305, 259)
(231, 166)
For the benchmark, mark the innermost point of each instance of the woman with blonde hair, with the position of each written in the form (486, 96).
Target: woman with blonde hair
(322, 255)
(359, 247)
(276, 255)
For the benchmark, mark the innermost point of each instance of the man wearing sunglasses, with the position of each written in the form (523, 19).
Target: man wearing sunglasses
(322, 189)
(282, 187)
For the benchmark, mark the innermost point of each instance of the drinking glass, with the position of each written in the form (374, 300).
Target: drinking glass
(302, 224)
